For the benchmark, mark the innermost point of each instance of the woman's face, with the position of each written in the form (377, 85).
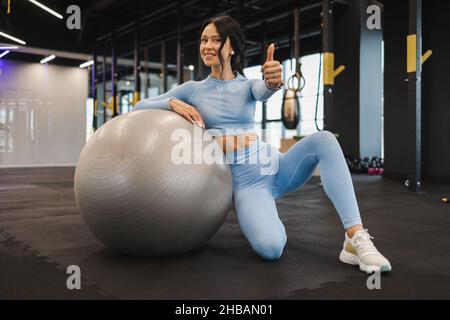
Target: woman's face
(209, 47)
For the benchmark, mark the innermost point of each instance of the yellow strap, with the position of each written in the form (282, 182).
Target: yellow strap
(426, 56)
(339, 70)
(411, 42)
(9, 6)
(95, 107)
(329, 74)
(328, 68)
(411, 55)
(136, 97)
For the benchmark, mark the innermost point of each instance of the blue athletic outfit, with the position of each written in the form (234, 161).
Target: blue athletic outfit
(230, 105)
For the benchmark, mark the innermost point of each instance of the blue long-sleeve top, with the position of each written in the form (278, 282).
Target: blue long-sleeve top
(223, 104)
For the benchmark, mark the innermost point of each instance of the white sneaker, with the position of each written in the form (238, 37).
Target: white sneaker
(360, 250)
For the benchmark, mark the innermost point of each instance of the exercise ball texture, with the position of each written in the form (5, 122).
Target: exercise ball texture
(136, 200)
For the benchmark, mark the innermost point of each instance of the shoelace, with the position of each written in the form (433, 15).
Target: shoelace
(363, 241)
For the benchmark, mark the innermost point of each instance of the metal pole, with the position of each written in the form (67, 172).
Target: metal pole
(296, 41)
(114, 74)
(328, 57)
(94, 89)
(263, 59)
(297, 56)
(104, 89)
(414, 95)
(137, 61)
(146, 75)
(180, 59)
(163, 66)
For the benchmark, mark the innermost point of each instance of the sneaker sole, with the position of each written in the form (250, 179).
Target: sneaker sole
(348, 258)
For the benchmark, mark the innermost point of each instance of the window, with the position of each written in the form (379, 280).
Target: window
(307, 99)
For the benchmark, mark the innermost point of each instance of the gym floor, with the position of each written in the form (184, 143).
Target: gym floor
(42, 233)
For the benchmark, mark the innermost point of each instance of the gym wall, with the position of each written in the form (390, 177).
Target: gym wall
(42, 114)
(435, 92)
(343, 118)
(352, 102)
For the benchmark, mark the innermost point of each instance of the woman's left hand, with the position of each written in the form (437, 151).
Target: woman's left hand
(272, 70)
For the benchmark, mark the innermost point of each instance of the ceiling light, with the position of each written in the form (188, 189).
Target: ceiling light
(86, 64)
(12, 38)
(4, 54)
(49, 58)
(9, 47)
(56, 14)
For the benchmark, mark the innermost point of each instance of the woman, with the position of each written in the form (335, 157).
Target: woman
(225, 103)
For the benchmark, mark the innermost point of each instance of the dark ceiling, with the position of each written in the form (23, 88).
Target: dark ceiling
(158, 21)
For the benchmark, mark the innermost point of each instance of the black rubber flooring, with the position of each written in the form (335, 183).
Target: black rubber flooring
(41, 234)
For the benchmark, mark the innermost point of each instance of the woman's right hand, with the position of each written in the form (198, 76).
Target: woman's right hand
(187, 111)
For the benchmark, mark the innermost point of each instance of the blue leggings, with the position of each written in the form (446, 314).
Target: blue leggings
(261, 175)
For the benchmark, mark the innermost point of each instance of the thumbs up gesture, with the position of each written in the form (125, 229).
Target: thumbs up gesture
(272, 70)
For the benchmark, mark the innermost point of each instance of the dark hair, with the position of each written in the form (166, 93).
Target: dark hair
(228, 27)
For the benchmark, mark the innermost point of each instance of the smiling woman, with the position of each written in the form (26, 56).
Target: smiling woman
(224, 103)
(221, 43)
